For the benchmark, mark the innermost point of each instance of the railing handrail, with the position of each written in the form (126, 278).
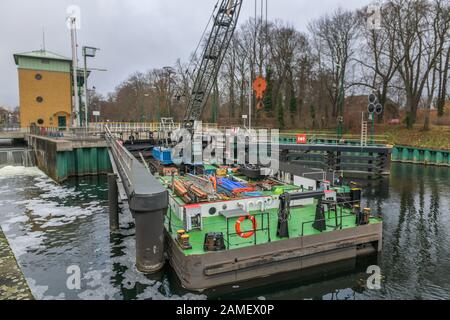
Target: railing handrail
(121, 154)
(324, 220)
(14, 129)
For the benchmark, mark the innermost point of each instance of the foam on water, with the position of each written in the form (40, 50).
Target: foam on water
(45, 217)
(40, 210)
(9, 171)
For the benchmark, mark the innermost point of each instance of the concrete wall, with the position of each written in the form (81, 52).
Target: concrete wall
(62, 159)
(45, 153)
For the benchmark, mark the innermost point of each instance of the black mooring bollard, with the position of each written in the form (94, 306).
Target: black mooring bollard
(150, 240)
(149, 208)
(113, 199)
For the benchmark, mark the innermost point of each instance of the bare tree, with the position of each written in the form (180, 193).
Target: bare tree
(422, 29)
(377, 61)
(334, 38)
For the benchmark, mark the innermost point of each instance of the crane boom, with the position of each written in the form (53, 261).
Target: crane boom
(214, 52)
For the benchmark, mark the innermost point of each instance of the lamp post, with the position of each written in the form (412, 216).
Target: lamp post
(87, 52)
(158, 102)
(146, 95)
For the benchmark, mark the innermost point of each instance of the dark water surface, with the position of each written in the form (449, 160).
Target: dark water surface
(51, 228)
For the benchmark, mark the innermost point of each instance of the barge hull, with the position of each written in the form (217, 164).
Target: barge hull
(216, 269)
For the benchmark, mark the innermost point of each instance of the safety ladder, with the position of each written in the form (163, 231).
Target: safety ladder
(364, 131)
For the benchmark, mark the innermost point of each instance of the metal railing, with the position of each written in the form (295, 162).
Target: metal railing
(263, 228)
(64, 133)
(340, 172)
(115, 127)
(120, 153)
(339, 226)
(322, 172)
(14, 129)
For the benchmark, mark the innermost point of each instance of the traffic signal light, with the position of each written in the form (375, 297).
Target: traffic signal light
(374, 105)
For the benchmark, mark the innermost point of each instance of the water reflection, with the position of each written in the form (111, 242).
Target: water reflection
(415, 233)
(51, 227)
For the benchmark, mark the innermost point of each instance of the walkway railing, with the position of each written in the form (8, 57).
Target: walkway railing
(117, 127)
(330, 138)
(11, 133)
(64, 133)
(148, 202)
(13, 129)
(121, 155)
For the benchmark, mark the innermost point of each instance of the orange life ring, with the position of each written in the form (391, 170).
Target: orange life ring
(238, 227)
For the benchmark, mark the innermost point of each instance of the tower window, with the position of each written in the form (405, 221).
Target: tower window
(39, 99)
(40, 122)
(38, 76)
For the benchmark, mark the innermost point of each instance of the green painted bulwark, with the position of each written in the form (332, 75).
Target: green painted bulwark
(82, 162)
(423, 156)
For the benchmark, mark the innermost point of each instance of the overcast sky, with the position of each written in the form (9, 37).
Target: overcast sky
(134, 35)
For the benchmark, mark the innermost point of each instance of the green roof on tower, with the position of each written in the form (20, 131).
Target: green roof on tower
(43, 54)
(43, 60)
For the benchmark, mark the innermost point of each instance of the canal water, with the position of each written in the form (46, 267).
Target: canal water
(54, 229)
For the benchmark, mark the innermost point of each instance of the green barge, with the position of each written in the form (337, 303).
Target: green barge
(225, 239)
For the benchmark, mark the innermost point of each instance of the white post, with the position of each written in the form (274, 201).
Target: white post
(250, 99)
(76, 111)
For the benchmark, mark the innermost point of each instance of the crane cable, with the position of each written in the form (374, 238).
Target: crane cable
(200, 41)
(260, 84)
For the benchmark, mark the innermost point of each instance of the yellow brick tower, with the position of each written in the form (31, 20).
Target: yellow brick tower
(45, 89)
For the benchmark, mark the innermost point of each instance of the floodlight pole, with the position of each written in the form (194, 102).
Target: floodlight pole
(86, 101)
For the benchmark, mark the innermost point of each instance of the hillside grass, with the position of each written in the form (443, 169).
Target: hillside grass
(438, 137)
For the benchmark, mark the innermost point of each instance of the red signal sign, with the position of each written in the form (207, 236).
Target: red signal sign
(302, 139)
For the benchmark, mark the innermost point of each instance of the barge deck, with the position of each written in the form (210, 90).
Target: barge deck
(264, 253)
(300, 225)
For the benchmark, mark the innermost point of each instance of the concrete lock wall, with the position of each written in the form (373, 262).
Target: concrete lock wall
(45, 153)
(423, 156)
(61, 159)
